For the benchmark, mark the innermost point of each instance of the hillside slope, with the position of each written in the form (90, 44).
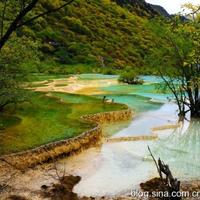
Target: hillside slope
(160, 10)
(104, 33)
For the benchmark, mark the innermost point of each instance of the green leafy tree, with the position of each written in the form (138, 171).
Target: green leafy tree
(131, 76)
(178, 62)
(14, 69)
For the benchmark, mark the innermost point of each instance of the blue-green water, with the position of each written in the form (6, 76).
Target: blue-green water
(147, 95)
(152, 108)
(145, 100)
(181, 150)
(96, 76)
(140, 98)
(118, 167)
(115, 168)
(136, 102)
(151, 79)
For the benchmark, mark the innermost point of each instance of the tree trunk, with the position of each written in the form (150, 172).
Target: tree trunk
(15, 22)
(195, 113)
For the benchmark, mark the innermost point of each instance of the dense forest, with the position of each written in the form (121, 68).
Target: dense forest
(117, 36)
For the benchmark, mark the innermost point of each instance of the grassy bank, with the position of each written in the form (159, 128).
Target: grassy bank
(45, 119)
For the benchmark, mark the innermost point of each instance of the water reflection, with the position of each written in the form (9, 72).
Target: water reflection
(144, 122)
(181, 150)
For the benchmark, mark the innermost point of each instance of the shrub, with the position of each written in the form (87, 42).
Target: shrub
(76, 25)
(130, 77)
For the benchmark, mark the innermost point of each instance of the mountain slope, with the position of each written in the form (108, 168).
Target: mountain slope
(160, 10)
(102, 33)
(140, 7)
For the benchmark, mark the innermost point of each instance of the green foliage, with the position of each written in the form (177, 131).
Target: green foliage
(14, 68)
(177, 60)
(131, 76)
(83, 31)
(76, 25)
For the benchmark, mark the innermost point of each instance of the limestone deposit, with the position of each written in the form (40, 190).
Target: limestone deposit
(39, 155)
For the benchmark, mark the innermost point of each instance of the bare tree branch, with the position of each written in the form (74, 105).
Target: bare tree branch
(42, 14)
(2, 18)
(13, 25)
(17, 22)
(155, 163)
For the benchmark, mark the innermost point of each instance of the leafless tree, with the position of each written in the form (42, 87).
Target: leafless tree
(171, 183)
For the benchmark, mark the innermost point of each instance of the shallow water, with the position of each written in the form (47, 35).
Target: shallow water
(137, 103)
(144, 122)
(116, 168)
(181, 151)
(96, 76)
(119, 167)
